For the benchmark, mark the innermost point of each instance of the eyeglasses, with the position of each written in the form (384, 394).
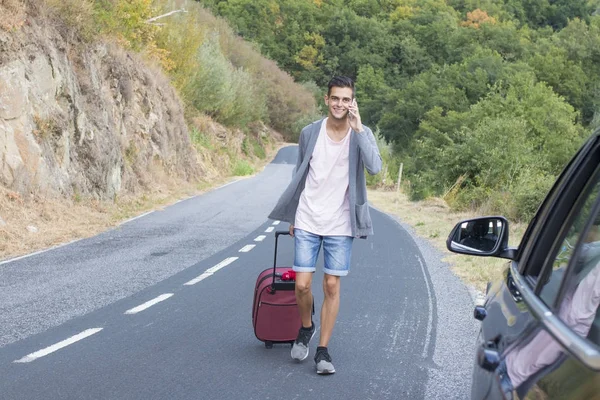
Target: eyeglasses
(345, 100)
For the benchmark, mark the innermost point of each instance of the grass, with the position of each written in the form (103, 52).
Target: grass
(433, 219)
(200, 139)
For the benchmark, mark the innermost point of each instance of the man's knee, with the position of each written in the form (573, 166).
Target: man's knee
(303, 286)
(331, 285)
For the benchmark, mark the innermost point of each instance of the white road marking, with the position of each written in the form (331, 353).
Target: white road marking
(51, 349)
(222, 264)
(430, 305)
(134, 218)
(198, 279)
(227, 184)
(38, 252)
(276, 222)
(149, 304)
(247, 248)
(260, 238)
(269, 229)
(182, 200)
(211, 271)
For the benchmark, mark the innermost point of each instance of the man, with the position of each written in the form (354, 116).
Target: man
(326, 204)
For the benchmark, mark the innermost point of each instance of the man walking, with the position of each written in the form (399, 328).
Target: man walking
(326, 204)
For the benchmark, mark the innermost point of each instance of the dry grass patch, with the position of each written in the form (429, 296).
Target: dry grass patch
(433, 219)
(12, 14)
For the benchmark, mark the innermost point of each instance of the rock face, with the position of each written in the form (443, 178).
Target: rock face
(86, 120)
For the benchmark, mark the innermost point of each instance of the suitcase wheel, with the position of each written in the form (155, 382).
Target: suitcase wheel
(268, 344)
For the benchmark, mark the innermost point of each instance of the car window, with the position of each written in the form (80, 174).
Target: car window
(578, 307)
(577, 235)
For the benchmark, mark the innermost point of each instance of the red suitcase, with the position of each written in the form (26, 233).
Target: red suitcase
(275, 315)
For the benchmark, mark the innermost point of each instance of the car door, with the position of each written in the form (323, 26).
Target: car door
(520, 312)
(561, 359)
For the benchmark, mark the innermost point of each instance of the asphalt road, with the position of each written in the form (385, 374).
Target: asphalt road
(160, 308)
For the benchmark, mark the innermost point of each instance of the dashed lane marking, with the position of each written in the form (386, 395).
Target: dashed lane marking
(149, 304)
(55, 347)
(198, 279)
(211, 271)
(247, 248)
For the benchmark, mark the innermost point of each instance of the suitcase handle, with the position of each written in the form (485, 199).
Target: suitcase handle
(277, 233)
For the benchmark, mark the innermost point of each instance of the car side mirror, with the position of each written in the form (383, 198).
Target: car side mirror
(484, 236)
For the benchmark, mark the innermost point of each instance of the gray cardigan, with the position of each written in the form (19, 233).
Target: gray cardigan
(363, 154)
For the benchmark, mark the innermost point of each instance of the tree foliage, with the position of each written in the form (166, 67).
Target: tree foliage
(487, 97)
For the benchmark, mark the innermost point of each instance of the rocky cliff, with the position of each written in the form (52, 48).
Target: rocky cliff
(81, 119)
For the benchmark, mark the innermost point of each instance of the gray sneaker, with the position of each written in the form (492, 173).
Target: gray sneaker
(323, 362)
(300, 347)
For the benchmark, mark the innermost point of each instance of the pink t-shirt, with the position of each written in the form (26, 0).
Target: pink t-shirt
(324, 207)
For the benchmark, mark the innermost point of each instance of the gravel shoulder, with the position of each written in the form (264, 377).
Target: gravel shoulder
(455, 331)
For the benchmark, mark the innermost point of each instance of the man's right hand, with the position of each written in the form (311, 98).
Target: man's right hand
(291, 230)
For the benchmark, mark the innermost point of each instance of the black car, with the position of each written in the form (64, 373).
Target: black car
(540, 330)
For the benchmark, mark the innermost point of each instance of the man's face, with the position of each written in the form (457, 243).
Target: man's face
(338, 101)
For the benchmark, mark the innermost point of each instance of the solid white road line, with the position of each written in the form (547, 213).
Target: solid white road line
(270, 229)
(149, 304)
(276, 222)
(260, 238)
(247, 248)
(134, 218)
(227, 184)
(58, 346)
(430, 306)
(38, 252)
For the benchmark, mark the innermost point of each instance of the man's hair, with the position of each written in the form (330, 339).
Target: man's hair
(340, 81)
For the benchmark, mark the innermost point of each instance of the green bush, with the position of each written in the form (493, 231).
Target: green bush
(258, 149)
(217, 88)
(530, 190)
(126, 19)
(242, 168)
(471, 198)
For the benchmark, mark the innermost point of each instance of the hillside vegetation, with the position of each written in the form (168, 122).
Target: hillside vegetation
(482, 101)
(112, 107)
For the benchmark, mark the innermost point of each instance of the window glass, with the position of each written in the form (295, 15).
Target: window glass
(566, 251)
(578, 308)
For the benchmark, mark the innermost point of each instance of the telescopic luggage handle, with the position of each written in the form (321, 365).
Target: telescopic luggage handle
(277, 233)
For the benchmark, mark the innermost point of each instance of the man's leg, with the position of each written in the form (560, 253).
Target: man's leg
(304, 297)
(337, 251)
(331, 306)
(306, 251)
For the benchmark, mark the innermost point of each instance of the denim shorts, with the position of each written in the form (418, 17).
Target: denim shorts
(337, 251)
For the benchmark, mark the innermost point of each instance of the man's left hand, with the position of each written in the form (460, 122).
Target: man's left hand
(354, 117)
